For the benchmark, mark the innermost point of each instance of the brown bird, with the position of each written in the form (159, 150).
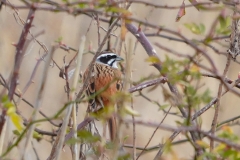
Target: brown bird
(103, 83)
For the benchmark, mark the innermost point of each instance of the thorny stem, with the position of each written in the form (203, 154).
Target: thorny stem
(18, 61)
(19, 53)
(215, 118)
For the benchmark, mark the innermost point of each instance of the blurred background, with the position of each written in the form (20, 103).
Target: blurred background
(71, 29)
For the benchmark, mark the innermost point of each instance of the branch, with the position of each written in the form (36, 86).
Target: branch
(19, 52)
(147, 84)
(229, 81)
(152, 52)
(215, 118)
(185, 129)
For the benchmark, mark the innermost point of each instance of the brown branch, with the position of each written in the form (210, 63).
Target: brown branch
(162, 126)
(42, 132)
(114, 3)
(215, 118)
(227, 80)
(18, 60)
(221, 140)
(204, 109)
(66, 67)
(227, 121)
(144, 42)
(19, 52)
(143, 85)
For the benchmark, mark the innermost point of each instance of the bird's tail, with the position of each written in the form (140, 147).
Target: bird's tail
(112, 126)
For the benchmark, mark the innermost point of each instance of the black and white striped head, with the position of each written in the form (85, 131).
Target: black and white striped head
(109, 59)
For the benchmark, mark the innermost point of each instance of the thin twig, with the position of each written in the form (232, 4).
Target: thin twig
(40, 94)
(19, 52)
(227, 121)
(150, 139)
(215, 118)
(143, 85)
(30, 81)
(35, 151)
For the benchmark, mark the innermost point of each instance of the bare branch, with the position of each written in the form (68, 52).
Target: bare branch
(143, 85)
(19, 52)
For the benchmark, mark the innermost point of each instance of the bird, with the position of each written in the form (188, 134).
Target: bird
(103, 83)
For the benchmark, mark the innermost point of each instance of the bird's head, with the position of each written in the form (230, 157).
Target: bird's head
(109, 59)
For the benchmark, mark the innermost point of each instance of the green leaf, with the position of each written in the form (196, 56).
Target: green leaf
(206, 97)
(163, 106)
(227, 133)
(224, 25)
(228, 153)
(168, 146)
(130, 111)
(194, 3)
(17, 121)
(212, 156)
(59, 40)
(4, 99)
(153, 59)
(11, 112)
(118, 10)
(222, 21)
(87, 136)
(16, 132)
(37, 136)
(194, 28)
(82, 5)
(109, 145)
(190, 90)
(125, 156)
(171, 67)
(125, 138)
(202, 144)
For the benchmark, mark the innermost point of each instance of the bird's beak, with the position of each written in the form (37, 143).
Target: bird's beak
(119, 58)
